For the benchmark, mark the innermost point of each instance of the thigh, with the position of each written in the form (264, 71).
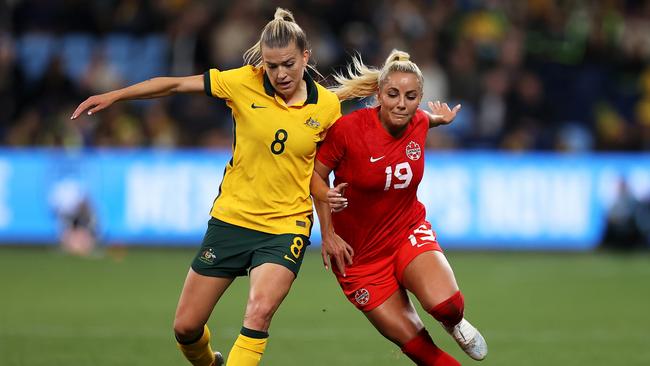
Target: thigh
(396, 318)
(368, 285)
(199, 296)
(430, 278)
(269, 285)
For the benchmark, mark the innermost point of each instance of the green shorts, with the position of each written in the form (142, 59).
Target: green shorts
(230, 251)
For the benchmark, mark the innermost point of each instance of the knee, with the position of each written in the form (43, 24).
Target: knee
(259, 313)
(450, 311)
(187, 332)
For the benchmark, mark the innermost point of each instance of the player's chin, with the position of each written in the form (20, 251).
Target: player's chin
(400, 120)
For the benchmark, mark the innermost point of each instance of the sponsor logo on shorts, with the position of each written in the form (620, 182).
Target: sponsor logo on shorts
(289, 259)
(362, 296)
(207, 256)
(413, 150)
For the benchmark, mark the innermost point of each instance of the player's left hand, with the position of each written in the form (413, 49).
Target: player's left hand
(335, 250)
(441, 114)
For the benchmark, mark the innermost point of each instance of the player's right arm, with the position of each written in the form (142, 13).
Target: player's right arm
(152, 88)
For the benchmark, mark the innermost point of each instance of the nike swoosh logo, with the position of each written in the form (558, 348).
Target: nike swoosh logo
(372, 160)
(257, 106)
(289, 259)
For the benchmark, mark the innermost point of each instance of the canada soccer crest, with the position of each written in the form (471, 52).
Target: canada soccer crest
(413, 150)
(362, 296)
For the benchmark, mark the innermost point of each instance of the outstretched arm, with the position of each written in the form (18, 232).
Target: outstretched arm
(334, 248)
(152, 88)
(441, 114)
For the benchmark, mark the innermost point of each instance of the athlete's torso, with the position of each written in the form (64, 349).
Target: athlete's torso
(266, 183)
(383, 173)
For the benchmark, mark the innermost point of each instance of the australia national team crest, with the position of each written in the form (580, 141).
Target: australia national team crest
(207, 256)
(362, 296)
(413, 150)
(312, 123)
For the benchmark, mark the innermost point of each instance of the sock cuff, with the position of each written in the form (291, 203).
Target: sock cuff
(451, 311)
(251, 333)
(455, 298)
(416, 342)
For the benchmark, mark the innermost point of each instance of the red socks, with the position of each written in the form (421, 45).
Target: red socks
(450, 311)
(424, 352)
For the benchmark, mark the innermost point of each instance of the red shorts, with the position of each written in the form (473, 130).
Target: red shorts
(368, 285)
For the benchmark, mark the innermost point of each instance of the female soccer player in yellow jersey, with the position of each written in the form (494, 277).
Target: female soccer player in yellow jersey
(262, 216)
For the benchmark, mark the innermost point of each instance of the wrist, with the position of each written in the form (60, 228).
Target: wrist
(326, 231)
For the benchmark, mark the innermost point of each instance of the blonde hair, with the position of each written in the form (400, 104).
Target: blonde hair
(362, 81)
(278, 33)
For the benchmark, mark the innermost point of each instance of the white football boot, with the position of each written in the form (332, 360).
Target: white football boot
(469, 339)
(218, 359)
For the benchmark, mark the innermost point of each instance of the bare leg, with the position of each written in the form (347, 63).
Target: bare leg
(270, 284)
(430, 278)
(396, 319)
(198, 298)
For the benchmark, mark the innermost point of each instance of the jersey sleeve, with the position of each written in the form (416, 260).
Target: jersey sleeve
(333, 112)
(220, 84)
(333, 148)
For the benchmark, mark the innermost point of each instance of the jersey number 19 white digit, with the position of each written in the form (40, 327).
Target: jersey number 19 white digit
(403, 173)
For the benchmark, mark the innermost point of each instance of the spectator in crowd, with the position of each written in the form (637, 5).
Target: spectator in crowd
(545, 64)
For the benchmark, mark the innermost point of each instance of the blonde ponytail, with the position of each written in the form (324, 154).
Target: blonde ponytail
(363, 81)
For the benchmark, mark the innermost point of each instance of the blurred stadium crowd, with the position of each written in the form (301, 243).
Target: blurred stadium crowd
(530, 74)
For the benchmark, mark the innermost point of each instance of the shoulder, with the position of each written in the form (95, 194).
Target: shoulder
(421, 118)
(358, 116)
(325, 95)
(353, 120)
(328, 100)
(244, 73)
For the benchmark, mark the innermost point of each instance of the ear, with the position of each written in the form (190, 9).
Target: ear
(305, 56)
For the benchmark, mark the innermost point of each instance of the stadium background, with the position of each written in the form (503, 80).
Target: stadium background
(548, 155)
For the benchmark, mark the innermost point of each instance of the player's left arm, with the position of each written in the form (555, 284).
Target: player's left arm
(441, 114)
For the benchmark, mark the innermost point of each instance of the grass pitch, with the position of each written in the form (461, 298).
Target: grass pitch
(533, 309)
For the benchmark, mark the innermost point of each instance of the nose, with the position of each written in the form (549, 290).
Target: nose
(401, 103)
(282, 73)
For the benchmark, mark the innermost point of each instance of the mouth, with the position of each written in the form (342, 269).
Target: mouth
(283, 84)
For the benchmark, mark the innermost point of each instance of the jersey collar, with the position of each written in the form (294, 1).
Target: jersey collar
(312, 91)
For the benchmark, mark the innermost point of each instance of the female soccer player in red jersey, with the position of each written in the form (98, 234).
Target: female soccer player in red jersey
(377, 155)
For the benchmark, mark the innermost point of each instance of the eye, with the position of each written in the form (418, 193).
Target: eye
(411, 97)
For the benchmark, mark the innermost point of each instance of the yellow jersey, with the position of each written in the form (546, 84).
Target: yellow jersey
(265, 186)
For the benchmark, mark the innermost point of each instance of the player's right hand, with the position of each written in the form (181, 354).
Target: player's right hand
(94, 104)
(336, 199)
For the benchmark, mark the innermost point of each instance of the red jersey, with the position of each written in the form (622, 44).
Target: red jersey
(383, 173)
